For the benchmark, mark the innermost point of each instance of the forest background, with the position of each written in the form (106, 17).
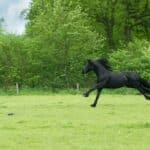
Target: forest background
(61, 35)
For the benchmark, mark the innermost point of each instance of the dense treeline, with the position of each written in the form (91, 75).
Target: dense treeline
(60, 35)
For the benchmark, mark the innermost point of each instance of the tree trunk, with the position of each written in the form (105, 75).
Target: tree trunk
(110, 22)
(109, 34)
(127, 29)
(147, 24)
(66, 48)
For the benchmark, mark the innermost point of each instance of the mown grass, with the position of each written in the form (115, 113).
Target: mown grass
(67, 122)
(50, 91)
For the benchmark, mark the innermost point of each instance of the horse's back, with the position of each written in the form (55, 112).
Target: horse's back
(116, 80)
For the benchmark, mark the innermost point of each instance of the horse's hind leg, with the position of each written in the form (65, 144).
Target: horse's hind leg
(97, 97)
(145, 83)
(147, 90)
(143, 92)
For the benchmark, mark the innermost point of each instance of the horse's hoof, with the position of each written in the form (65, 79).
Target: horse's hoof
(93, 105)
(148, 98)
(85, 94)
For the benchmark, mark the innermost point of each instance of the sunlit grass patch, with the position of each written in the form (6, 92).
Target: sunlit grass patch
(68, 122)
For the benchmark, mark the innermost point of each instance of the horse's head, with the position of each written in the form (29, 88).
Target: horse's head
(99, 65)
(88, 67)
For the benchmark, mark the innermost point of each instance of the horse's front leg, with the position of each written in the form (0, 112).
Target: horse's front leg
(97, 97)
(98, 86)
(86, 94)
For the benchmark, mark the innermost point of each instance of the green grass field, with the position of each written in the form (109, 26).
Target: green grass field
(67, 122)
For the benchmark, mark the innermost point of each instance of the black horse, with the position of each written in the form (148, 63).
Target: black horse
(106, 78)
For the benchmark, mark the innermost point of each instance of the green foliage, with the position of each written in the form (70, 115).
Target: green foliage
(12, 59)
(65, 40)
(119, 21)
(134, 57)
(62, 34)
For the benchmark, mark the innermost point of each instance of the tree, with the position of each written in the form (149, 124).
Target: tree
(134, 57)
(62, 33)
(1, 24)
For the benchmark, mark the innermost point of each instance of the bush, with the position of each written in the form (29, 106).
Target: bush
(134, 57)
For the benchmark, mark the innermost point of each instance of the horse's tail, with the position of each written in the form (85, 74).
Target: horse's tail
(145, 82)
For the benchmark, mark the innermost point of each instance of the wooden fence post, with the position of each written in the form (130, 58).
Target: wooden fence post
(17, 88)
(78, 86)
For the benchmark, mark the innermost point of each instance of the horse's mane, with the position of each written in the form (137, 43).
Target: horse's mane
(105, 63)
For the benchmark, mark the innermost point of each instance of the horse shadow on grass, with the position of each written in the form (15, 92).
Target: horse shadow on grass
(138, 125)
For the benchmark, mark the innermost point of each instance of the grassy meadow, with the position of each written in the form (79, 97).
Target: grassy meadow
(67, 122)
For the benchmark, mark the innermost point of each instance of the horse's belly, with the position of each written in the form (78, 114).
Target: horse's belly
(113, 86)
(116, 83)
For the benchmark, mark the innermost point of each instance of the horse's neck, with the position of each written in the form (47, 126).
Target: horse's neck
(100, 72)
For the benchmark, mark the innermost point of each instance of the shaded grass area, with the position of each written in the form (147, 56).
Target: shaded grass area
(68, 122)
(50, 91)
